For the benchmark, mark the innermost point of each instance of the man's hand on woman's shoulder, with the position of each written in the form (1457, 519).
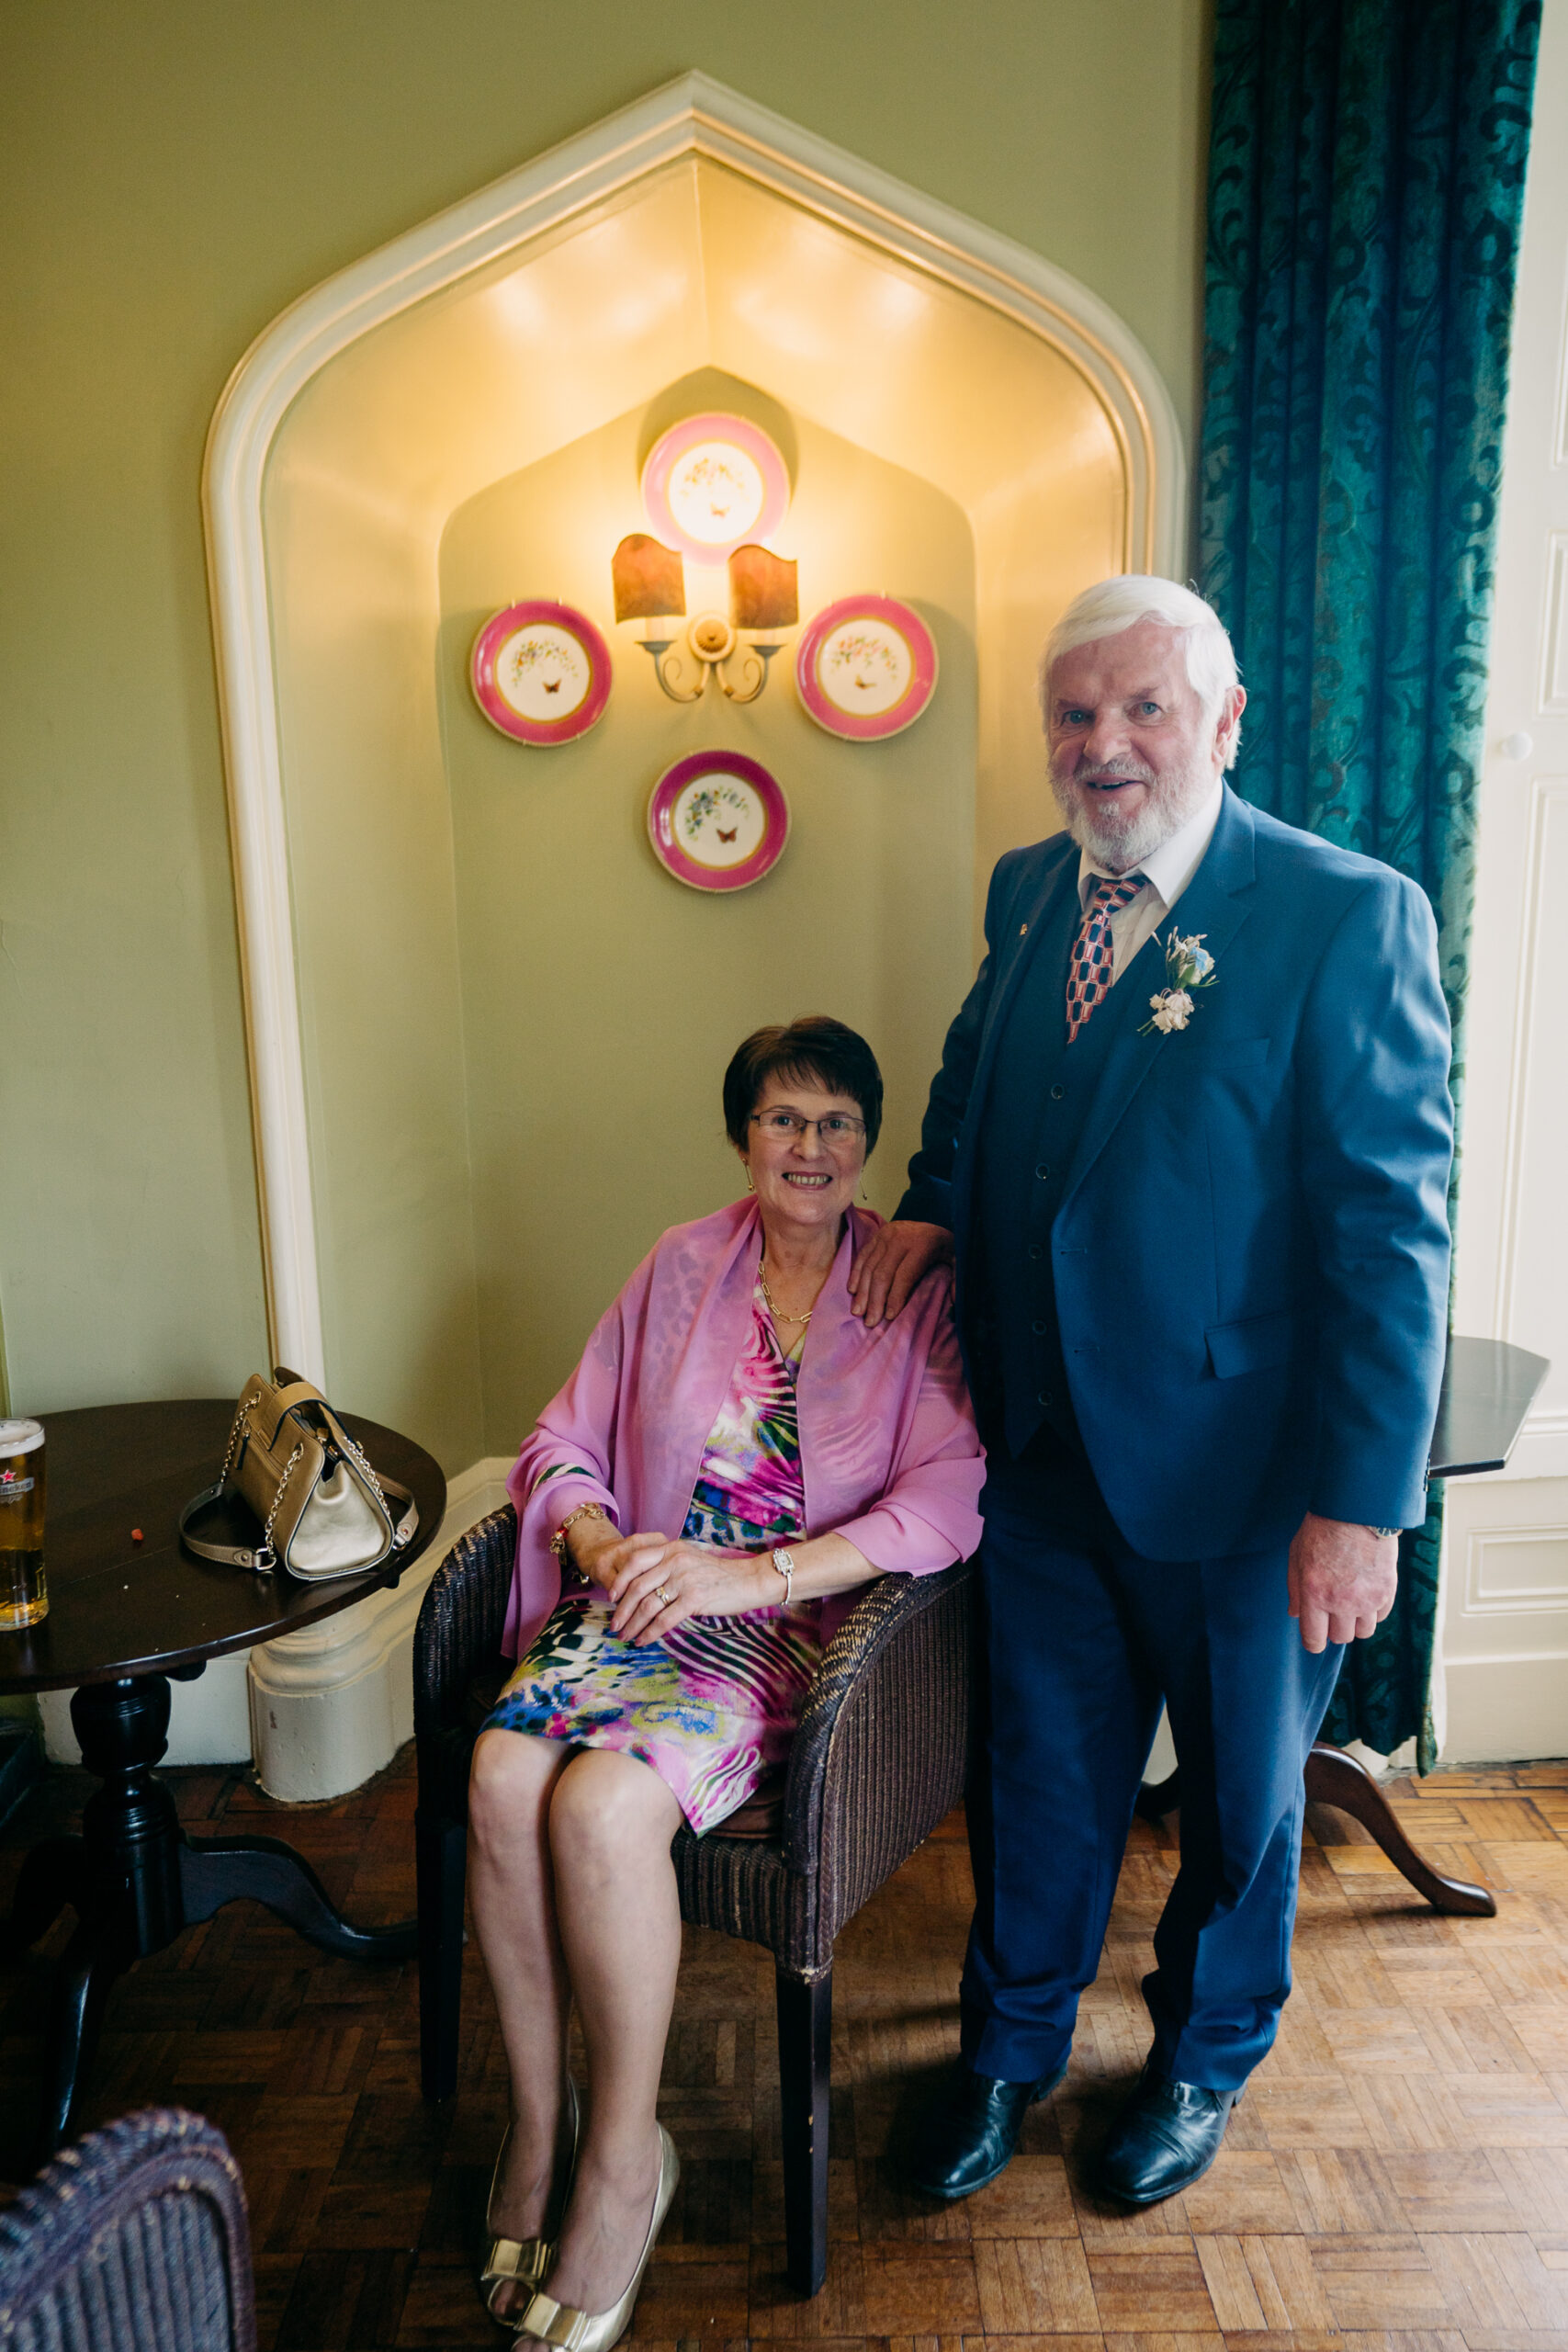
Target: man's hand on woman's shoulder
(888, 1269)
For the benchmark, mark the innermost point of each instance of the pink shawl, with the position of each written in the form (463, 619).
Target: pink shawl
(888, 1447)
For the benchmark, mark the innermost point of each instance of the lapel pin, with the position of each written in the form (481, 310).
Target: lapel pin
(1021, 928)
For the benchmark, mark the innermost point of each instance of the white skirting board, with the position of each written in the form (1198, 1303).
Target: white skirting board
(319, 1711)
(1507, 1710)
(1504, 1607)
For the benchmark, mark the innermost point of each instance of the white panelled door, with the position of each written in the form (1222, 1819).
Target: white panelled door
(1505, 1627)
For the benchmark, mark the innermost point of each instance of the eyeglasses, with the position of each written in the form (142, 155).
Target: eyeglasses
(837, 1133)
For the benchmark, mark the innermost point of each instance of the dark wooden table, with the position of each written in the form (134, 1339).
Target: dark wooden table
(125, 1618)
(1488, 1387)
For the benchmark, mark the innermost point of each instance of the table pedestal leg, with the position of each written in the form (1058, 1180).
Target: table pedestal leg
(121, 1877)
(49, 1881)
(129, 1825)
(94, 1958)
(134, 1880)
(1334, 1777)
(263, 1869)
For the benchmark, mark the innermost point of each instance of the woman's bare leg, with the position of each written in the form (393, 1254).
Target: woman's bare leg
(510, 1881)
(611, 1820)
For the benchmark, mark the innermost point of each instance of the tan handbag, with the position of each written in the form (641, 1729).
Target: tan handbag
(323, 1510)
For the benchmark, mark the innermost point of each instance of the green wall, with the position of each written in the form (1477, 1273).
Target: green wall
(173, 175)
(601, 999)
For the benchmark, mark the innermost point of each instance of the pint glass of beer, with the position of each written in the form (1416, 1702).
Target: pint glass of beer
(23, 1595)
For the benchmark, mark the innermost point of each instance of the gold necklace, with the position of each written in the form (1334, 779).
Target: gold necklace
(776, 1312)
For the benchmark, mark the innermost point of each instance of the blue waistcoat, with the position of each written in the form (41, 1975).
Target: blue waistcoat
(1041, 1091)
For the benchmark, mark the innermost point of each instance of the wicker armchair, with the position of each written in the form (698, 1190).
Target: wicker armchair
(878, 1759)
(135, 2240)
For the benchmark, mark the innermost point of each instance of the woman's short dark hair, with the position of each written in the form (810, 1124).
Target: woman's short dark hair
(816, 1050)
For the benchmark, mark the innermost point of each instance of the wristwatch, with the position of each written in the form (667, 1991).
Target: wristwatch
(1384, 1531)
(784, 1563)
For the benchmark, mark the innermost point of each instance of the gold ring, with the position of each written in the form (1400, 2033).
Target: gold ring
(662, 1592)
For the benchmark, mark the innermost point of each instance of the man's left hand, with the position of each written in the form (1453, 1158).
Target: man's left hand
(1343, 1579)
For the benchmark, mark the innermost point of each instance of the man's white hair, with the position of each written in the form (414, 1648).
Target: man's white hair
(1111, 605)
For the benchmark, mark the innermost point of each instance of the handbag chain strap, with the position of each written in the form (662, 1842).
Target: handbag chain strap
(242, 1428)
(400, 1534)
(265, 1556)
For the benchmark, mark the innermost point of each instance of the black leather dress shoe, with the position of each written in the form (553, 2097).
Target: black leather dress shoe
(1164, 2140)
(970, 2134)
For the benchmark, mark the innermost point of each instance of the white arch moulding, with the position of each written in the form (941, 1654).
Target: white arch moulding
(694, 117)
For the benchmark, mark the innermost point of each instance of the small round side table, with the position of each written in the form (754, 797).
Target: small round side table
(125, 1618)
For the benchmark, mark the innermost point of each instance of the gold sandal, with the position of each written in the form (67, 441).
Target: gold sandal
(524, 2260)
(548, 2321)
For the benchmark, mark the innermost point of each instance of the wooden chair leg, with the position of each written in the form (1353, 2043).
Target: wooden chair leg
(441, 1849)
(806, 2016)
(1334, 1777)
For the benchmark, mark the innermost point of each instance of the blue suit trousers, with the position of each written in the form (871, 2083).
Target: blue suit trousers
(1082, 1639)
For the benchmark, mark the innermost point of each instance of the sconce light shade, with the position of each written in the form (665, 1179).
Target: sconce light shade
(763, 591)
(712, 482)
(649, 580)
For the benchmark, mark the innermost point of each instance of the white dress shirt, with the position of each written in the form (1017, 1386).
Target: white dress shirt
(1169, 869)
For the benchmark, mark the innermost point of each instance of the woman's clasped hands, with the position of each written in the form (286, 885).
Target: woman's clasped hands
(654, 1584)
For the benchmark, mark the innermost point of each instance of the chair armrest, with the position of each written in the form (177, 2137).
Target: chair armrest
(460, 1620)
(135, 2236)
(881, 1751)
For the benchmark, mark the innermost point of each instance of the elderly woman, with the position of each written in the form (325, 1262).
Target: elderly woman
(735, 1455)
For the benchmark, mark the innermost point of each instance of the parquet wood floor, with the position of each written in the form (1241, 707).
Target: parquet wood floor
(1395, 2181)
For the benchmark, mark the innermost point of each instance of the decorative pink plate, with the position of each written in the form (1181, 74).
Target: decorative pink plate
(717, 820)
(711, 483)
(866, 667)
(541, 672)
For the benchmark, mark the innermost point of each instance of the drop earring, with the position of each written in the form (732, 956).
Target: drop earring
(750, 1186)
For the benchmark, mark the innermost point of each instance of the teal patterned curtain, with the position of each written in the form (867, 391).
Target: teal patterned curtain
(1366, 179)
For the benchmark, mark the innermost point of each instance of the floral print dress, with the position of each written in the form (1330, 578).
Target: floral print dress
(713, 1706)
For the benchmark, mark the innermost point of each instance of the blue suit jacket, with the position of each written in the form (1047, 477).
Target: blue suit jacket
(1251, 1251)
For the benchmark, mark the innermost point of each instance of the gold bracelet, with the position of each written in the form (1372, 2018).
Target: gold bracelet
(583, 1511)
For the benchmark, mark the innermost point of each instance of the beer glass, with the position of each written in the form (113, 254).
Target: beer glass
(24, 1594)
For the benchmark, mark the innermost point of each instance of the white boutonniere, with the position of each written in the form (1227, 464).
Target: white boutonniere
(1187, 965)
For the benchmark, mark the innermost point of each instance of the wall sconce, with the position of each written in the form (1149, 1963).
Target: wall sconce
(765, 606)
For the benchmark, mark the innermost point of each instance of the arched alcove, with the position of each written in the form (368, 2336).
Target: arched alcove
(486, 1029)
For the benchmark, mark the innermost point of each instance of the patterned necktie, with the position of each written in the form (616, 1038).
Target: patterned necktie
(1094, 954)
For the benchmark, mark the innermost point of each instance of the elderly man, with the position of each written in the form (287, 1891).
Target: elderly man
(1189, 1143)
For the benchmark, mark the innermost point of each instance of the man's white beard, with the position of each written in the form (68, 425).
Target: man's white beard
(1119, 842)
